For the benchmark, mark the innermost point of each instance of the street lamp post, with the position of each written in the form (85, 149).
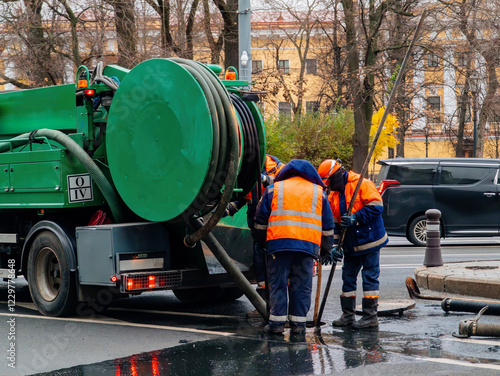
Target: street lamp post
(474, 89)
(244, 41)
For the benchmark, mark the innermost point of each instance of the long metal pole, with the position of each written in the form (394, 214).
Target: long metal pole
(369, 156)
(245, 40)
(474, 120)
(228, 264)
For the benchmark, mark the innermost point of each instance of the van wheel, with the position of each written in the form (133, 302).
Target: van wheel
(51, 285)
(417, 231)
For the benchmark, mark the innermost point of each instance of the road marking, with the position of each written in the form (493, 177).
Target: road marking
(32, 307)
(121, 323)
(474, 341)
(191, 314)
(447, 254)
(396, 266)
(461, 363)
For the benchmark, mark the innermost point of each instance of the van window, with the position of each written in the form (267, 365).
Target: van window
(412, 174)
(458, 175)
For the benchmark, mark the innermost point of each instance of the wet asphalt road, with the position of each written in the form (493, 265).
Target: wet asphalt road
(171, 338)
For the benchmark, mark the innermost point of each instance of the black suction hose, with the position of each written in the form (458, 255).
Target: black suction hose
(461, 305)
(250, 167)
(225, 173)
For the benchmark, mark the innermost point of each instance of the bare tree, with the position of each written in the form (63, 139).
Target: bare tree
(298, 30)
(229, 12)
(126, 34)
(215, 44)
(182, 43)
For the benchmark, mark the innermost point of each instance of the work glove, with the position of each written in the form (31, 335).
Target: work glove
(348, 220)
(331, 256)
(326, 258)
(337, 254)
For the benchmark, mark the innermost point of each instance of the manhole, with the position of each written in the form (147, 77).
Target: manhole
(481, 267)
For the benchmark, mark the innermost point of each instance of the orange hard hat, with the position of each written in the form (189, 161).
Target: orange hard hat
(327, 168)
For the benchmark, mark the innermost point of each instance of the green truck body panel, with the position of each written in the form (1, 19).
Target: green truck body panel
(39, 179)
(27, 110)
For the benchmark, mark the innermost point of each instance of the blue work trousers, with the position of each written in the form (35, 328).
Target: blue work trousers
(294, 267)
(370, 263)
(258, 263)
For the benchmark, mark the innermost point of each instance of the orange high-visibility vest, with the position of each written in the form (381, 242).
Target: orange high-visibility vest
(296, 211)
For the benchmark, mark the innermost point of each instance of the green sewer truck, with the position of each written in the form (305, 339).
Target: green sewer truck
(111, 186)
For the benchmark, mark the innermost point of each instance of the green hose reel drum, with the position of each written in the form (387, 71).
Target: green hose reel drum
(159, 139)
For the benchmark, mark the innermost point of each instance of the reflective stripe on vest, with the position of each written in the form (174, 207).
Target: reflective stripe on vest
(296, 211)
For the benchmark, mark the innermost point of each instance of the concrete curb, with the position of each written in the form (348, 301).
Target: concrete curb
(472, 278)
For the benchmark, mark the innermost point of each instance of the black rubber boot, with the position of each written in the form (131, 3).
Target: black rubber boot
(348, 304)
(369, 319)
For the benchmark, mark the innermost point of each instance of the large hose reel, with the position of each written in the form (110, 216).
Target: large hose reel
(175, 143)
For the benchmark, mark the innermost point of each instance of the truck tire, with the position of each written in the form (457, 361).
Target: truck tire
(230, 293)
(51, 283)
(208, 294)
(417, 231)
(199, 295)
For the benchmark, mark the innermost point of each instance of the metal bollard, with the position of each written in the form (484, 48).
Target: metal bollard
(433, 249)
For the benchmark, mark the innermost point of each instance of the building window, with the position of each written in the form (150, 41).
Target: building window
(432, 60)
(256, 66)
(285, 109)
(312, 106)
(461, 59)
(311, 66)
(284, 66)
(434, 109)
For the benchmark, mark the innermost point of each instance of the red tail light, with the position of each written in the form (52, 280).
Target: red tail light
(386, 184)
(152, 282)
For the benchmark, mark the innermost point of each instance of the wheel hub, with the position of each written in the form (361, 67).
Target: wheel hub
(48, 274)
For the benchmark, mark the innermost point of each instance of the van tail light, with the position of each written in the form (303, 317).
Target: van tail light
(386, 184)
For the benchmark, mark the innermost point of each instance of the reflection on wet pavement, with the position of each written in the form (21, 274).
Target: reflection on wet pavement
(313, 353)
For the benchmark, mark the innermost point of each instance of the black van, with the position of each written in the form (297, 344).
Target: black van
(465, 190)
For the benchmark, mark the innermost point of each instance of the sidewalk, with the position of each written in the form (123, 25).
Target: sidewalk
(471, 278)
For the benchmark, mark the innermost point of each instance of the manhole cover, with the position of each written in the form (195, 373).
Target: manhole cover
(481, 267)
(390, 307)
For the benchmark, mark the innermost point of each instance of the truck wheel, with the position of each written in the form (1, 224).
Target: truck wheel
(199, 295)
(230, 293)
(51, 285)
(417, 231)
(208, 294)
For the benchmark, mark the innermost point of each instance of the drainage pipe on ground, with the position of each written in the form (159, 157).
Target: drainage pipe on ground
(475, 306)
(468, 328)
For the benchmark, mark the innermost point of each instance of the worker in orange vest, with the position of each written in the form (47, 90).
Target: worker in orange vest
(364, 237)
(272, 166)
(294, 220)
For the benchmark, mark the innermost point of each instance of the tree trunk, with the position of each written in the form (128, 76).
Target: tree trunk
(125, 32)
(359, 142)
(38, 48)
(215, 46)
(488, 100)
(189, 54)
(229, 13)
